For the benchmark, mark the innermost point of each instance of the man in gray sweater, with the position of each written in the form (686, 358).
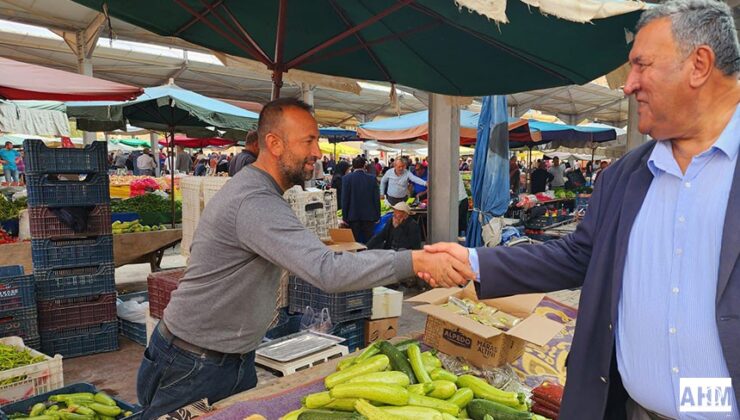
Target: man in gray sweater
(204, 346)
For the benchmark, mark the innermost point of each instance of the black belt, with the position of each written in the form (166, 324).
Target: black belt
(192, 348)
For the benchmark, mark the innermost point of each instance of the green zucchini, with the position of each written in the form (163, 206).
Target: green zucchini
(462, 397)
(478, 408)
(410, 412)
(402, 346)
(435, 403)
(484, 390)
(443, 389)
(293, 415)
(320, 414)
(373, 364)
(439, 373)
(317, 400)
(421, 389)
(371, 412)
(391, 377)
(417, 365)
(382, 393)
(398, 360)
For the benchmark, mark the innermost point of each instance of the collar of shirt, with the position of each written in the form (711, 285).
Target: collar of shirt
(728, 142)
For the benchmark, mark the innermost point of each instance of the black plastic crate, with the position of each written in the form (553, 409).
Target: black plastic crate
(22, 323)
(41, 159)
(50, 190)
(45, 224)
(81, 341)
(59, 283)
(33, 342)
(17, 292)
(353, 331)
(24, 406)
(59, 314)
(134, 331)
(68, 253)
(11, 271)
(346, 306)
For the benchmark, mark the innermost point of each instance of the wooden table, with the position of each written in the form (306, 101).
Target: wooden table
(128, 248)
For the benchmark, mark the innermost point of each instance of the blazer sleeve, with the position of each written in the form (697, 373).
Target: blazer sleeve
(376, 199)
(554, 265)
(345, 197)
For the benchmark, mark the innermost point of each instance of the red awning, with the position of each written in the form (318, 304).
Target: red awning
(198, 142)
(23, 81)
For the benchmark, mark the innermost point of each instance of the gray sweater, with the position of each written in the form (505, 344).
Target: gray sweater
(246, 236)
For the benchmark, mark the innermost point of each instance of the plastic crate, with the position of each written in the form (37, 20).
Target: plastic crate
(16, 293)
(73, 342)
(45, 190)
(161, 285)
(124, 217)
(46, 225)
(11, 271)
(33, 342)
(28, 381)
(69, 253)
(41, 159)
(347, 306)
(134, 331)
(25, 405)
(11, 227)
(75, 312)
(353, 331)
(22, 323)
(59, 283)
(212, 185)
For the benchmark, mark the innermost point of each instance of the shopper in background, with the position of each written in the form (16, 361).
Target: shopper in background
(360, 201)
(145, 163)
(247, 156)
(658, 252)
(183, 162)
(336, 180)
(514, 173)
(602, 165)
(7, 158)
(395, 183)
(204, 346)
(401, 232)
(21, 165)
(421, 172)
(557, 170)
(540, 177)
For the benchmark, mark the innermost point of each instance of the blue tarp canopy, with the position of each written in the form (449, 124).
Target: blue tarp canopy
(338, 134)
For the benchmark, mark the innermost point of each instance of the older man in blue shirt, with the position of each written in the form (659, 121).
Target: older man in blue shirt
(657, 254)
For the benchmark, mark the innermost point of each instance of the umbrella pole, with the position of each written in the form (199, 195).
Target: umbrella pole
(529, 170)
(335, 152)
(171, 157)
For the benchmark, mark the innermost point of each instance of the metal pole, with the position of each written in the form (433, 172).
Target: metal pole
(171, 158)
(444, 151)
(277, 71)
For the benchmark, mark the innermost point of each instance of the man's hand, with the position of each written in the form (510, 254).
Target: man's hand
(457, 251)
(441, 269)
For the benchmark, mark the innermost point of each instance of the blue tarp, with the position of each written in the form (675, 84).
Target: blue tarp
(490, 183)
(338, 134)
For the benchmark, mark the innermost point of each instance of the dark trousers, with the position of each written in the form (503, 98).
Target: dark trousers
(362, 230)
(395, 200)
(170, 378)
(462, 216)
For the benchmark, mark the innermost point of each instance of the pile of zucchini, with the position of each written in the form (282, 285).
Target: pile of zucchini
(399, 382)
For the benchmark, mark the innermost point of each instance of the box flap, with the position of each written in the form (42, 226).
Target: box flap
(536, 330)
(460, 321)
(518, 305)
(341, 235)
(347, 246)
(438, 295)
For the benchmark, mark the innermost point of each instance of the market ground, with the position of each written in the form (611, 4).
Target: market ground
(115, 372)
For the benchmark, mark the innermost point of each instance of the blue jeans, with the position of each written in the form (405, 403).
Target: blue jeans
(170, 378)
(11, 175)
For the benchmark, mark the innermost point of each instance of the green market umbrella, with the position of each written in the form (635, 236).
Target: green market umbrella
(133, 142)
(432, 45)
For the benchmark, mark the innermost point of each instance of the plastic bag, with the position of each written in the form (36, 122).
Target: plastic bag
(320, 323)
(133, 311)
(503, 378)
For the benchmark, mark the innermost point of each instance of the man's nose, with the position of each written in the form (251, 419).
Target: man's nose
(632, 84)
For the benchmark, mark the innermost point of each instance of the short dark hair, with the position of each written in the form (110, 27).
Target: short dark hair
(8, 142)
(358, 163)
(272, 112)
(251, 138)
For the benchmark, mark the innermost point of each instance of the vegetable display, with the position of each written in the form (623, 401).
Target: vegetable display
(10, 210)
(12, 357)
(134, 226)
(399, 382)
(77, 406)
(5, 237)
(146, 203)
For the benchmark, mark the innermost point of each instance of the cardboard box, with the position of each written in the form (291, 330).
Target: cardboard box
(343, 240)
(380, 329)
(482, 345)
(387, 303)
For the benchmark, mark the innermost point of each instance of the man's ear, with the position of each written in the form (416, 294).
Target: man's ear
(274, 145)
(702, 59)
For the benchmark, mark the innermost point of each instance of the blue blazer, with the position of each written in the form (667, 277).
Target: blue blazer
(360, 197)
(594, 257)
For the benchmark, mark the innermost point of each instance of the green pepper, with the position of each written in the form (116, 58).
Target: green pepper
(105, 399)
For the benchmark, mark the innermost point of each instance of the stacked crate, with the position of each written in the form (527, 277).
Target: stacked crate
(317, 209)
(192, 206)
(73, 268)
(18, 305)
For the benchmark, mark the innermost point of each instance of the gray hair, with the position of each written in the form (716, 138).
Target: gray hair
(700, 22)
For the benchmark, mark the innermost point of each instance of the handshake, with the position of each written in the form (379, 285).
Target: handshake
(444, 264)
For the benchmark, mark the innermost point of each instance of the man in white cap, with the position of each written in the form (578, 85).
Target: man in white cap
(401, 232)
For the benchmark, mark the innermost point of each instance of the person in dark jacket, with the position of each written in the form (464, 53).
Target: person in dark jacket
(247, 156)
(360, 201)
(540, 178)
(336, 180)
(401, 232)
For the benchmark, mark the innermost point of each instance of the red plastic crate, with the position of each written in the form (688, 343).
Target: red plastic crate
(161, 284)
(46, 225)
(76, 312)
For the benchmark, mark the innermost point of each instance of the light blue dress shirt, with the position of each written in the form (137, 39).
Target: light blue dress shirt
(398, 185)
(666, 322)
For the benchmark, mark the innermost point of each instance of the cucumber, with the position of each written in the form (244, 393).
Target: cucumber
(319, 414)
(382, 393)
(413, 413)
(437, 404)
(398, 360)
(373, 364)
(478, 408)
(443, 389)
(462, 397)
(402, 346)
(392, 377)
